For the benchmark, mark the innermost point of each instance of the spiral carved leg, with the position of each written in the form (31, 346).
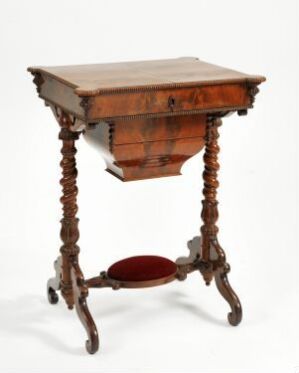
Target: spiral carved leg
(80, 295)
(235, 316)
(73, 287)
(54, 283)
(69, 224)
(209, 212)
(212, 262)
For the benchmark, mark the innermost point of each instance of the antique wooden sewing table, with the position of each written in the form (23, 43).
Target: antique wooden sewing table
(147, 118)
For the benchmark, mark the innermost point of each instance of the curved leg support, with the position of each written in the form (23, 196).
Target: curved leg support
(54, 283)
(212, 262)
(223, 285)
(80, 295)
(69, 276)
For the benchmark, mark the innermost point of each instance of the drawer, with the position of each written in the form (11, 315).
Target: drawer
(169, 101)
(155, 129)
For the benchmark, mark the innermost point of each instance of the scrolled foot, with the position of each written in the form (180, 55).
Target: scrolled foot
(223, 285)
(92, 343)
(54, 283)
(52, 296)
(80, 295)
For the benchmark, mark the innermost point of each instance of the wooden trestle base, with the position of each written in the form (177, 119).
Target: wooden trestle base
(216, 268)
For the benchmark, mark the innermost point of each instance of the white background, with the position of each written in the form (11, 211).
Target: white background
(180, 327)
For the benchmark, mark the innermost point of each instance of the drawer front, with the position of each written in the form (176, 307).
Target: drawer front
(169, 101)
(156, 129)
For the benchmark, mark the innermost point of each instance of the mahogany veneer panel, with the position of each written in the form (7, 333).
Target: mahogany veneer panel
(156, 102)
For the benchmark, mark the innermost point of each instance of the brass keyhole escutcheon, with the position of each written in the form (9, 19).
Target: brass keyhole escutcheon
(171, 102)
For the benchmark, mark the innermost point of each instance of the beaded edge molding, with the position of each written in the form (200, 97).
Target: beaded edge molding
(250, 80)
(111, 91)
(226, 109)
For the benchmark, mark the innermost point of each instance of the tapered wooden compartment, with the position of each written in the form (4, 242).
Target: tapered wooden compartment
(148, 148)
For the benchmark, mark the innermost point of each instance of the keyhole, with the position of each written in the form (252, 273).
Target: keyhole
(171, 102)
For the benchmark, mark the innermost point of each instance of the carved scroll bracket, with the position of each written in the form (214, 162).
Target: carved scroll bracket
(67, 120)
(252, 91)
(38, 80)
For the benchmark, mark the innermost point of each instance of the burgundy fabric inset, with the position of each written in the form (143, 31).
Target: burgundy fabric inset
(142, 268)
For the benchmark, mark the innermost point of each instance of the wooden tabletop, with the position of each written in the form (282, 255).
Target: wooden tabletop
(94, 79)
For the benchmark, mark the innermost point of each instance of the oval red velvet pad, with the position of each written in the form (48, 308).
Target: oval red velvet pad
(142, 268)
